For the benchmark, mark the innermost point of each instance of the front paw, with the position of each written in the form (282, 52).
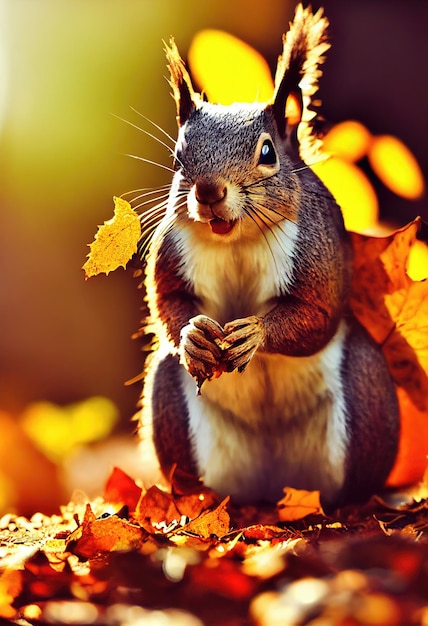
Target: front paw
(242, 338)
(200, 351)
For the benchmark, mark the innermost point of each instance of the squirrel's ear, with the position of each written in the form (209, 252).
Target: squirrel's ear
(287, 105)
(182, 89)
(297, 73)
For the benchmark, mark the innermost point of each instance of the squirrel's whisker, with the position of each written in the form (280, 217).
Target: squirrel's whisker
(269, 224)
(147, 133)
(254, 183)
(152, 218)
(158, 200)
(146, 239)
(152, 221)
(254, 196)
(139, 158)
(147, 236)
(309, 164)
(147, 119)
(146, 191)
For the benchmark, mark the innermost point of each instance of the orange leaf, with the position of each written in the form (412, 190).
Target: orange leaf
(192, 505)
(103, 535)
(115, 242)
(411, 461)
(210, 523)
(393, 308)
(122, 489)
(156, 507)
(191, 495)
(298, 503)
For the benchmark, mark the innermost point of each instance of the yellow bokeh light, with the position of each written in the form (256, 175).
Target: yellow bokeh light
(396, 167)
(7, 492)
(352, 190)
(418, 261)
(229, 70)
(349, 140)
(56, 430)
(293, 110)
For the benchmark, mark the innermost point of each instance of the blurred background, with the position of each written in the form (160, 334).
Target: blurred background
(67, 68)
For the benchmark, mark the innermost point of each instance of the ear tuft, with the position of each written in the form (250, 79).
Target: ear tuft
(182, 90)
(297, 77)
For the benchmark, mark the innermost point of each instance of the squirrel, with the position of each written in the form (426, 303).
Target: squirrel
(261, 378)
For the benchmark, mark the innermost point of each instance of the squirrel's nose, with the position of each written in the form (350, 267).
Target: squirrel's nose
(209, 193)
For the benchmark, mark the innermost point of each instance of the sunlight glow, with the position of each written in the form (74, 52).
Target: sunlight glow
(396, 167)
(293, 110)
(418, 261)
(352, 191)
(349, 140)
(56, 430)
(221, 65)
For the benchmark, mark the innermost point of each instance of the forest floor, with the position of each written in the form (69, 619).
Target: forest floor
(186, 557)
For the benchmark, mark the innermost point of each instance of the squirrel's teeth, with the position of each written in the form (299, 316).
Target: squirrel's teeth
(221, 227)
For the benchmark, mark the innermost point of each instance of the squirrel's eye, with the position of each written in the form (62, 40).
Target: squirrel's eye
(267, 153)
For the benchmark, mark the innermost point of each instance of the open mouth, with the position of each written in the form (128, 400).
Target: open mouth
(221, 227)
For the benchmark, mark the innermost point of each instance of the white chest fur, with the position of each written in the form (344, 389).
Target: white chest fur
(240, 278)
(282, 422)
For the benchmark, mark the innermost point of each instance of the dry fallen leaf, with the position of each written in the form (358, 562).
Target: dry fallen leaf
(155, 508)
(103, 535)
(113, 568)
(394, 310)
(192, 497)
(115, 242)
(122, 489)
(297, 504)
(211, 523)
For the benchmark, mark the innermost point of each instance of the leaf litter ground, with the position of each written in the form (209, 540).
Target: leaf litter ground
(187, 557)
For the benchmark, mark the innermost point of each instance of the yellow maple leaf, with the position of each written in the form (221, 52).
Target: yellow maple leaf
(115, 242)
